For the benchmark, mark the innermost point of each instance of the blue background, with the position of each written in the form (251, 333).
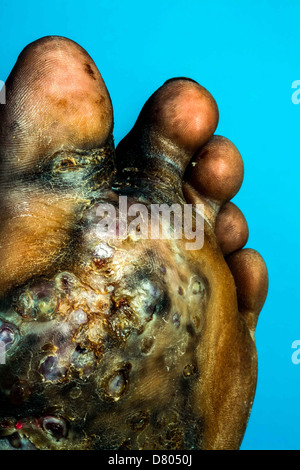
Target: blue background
(246, 53)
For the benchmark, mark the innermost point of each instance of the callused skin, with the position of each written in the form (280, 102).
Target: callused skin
(120, 342)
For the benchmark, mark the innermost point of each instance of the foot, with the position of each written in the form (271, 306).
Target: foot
(127, 342)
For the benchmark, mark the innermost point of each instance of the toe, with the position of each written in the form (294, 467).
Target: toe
(217, 170)
(57, 119)
(175, 122)
(181, 112)
(251, 279)
(56, 99)
(231, 228)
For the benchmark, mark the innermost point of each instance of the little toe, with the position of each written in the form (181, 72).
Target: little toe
(251, 278)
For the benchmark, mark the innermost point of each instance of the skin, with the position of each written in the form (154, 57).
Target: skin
(58, 115)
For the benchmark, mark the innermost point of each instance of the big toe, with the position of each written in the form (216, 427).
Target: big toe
(55, 132)
(56, 99)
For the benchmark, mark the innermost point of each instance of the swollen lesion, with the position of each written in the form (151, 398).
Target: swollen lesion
(118, 365)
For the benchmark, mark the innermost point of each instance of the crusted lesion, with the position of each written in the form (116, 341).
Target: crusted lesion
(115, 331)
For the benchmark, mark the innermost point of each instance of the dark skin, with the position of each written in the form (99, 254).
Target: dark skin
(57, 102)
